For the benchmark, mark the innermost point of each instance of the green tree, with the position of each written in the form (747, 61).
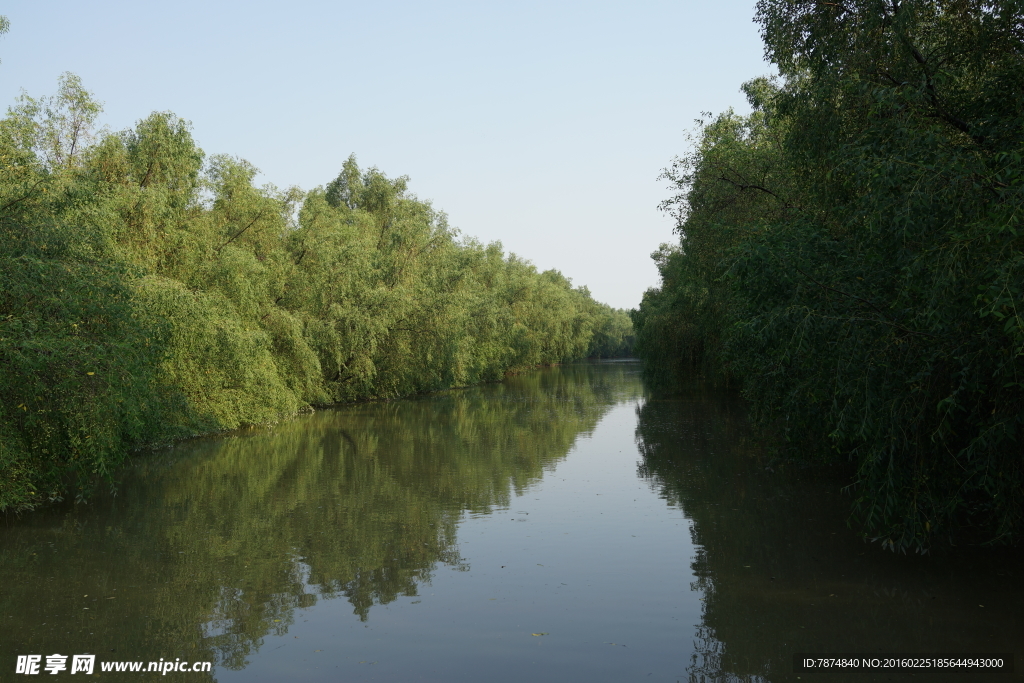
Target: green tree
(150, 293)
(871, 291)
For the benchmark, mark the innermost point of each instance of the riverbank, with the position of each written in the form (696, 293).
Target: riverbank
(149, 293)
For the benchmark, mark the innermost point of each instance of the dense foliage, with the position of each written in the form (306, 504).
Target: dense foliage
(850, 253)
(148, 293)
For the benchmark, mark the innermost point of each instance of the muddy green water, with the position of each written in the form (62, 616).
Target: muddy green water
(560, 526)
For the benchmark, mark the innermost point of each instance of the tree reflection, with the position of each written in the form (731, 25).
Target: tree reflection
(779, 570)
(210, 547)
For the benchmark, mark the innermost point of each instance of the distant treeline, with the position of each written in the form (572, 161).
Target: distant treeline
(148, 293)
(850, 254)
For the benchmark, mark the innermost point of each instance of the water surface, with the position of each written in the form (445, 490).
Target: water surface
(559, 526)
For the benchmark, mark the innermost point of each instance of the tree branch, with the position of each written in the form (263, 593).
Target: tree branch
(239, 233)
(22, 198)
(933, 95)
(741, 186)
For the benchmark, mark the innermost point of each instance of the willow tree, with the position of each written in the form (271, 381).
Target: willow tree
(150, 292)
(873, 301)
(78, 364)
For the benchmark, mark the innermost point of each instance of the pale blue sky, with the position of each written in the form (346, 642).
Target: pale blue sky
(540, 124)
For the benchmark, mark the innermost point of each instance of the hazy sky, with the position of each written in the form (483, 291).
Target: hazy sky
(543, 125)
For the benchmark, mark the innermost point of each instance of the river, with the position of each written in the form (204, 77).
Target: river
(562, 525)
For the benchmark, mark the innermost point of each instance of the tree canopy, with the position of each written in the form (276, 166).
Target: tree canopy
(850, 255)
(149, 292)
